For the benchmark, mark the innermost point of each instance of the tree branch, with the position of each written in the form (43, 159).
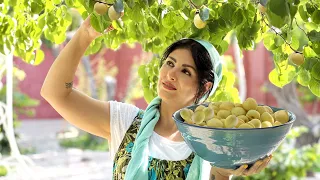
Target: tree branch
(301, 28)
(104, 3)
(281, 95)
(281, 36)
(192, 4)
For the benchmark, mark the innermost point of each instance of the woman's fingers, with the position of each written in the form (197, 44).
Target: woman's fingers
(258, 166)
(254, 168)
(264, 164)
(110, 28)
(240, 170)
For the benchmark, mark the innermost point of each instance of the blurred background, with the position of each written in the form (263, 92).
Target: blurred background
(54, 149)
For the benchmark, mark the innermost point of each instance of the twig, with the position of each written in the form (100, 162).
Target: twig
(281, 37)
(314, 4)
(300, 27)
(192, 4)
(103, 3)
(222, 2)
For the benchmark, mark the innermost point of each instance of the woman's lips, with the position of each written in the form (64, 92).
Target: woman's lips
(168, 86)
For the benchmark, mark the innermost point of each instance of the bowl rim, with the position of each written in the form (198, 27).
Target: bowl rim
(237, 129)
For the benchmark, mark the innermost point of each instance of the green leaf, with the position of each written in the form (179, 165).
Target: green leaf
(309, 63)
(29, 56)
(250, 13)
(41, 21)
(316, 16)
(230, 77)
(142, 71)
(137, 14)
(177, 4)
(59, 38)
(179, 23)
(37, 7)
(223, 96)
(275, 20)
(214, 26)
(295, 43)
(304, 77)
(282, 78)
(56, 2)
(168, 20)
(293, 11)
(13, 3)
(314, 86)
(278, 7)
(314, 36)
(69, 3)
(148, 95)
(226, 11)
(316, 47)
(130, 3)
(39, 57)
(308, 52)
(95, 23)
(238, 17)
(278, 13)
(303, 13)
(223, 47)
(315, 72)
(198, 2)
(49, 5)
(268, 41)
(310, 8)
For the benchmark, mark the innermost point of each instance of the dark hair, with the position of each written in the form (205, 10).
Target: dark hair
(202, 60)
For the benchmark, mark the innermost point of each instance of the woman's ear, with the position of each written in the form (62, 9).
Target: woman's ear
(207, 86)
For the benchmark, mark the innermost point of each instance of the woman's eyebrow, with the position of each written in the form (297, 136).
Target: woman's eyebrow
(184, 65)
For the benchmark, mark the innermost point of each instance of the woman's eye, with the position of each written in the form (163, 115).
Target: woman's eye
(170, 63)
(187, 72)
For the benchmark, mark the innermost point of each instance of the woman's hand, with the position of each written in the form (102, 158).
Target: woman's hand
(242, 170)
(90, 32)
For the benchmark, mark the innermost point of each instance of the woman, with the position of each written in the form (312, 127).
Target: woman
(144, 144)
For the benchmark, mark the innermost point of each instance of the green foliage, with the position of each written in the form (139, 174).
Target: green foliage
(22, 104)
(285, 27)
(226, 90)
(289, 162)
(149, 78)
(3, 171)
(85, 141)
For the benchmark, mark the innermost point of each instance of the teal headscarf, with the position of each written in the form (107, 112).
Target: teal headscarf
(137, 168)
(216, 63)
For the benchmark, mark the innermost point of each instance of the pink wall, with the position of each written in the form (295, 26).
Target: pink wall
(35, 76)
(32, 84)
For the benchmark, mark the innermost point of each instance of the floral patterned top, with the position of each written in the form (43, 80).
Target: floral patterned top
(157, 169)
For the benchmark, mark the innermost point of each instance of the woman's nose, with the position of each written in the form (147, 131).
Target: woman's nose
(172, 75)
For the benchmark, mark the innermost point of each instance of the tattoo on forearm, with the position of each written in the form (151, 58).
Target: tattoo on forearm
(69, 85)
(213, 177)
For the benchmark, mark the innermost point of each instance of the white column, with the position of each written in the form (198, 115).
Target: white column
(15, 159)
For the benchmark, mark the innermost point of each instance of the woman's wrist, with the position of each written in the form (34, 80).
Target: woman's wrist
(217, 176)
(85, 35)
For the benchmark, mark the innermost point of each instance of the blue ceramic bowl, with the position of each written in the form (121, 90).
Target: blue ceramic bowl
(231, 148)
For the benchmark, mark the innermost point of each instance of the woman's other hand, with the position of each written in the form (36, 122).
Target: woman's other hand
(90, 32)
(242, 170)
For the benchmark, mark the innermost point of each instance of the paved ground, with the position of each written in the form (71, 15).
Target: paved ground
(55, 163)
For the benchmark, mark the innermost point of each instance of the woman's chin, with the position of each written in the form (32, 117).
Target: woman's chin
(165, 96)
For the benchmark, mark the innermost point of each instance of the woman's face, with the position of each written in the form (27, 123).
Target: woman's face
(178, 78)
